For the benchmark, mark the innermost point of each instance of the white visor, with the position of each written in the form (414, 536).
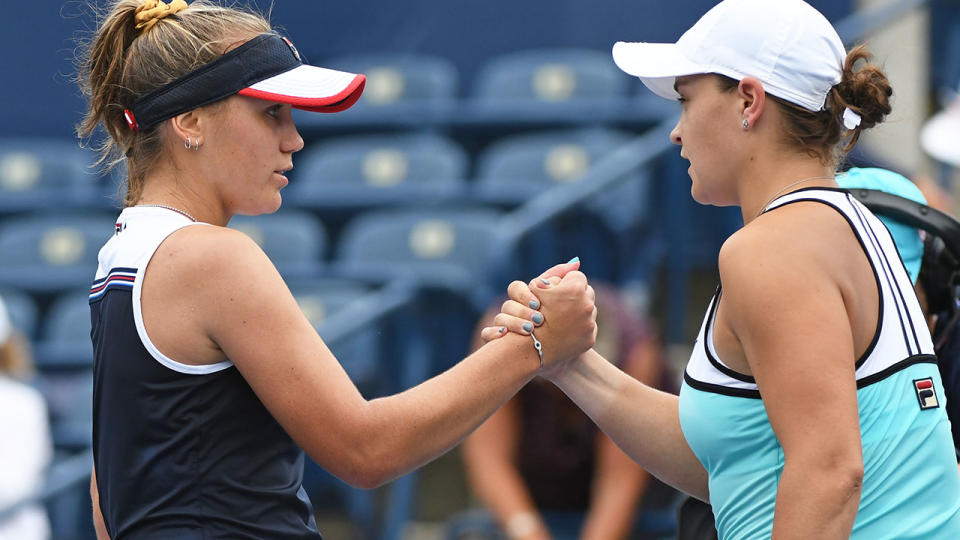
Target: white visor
(310, 88)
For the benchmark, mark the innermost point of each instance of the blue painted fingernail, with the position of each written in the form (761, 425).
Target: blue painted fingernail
(535, 304)
(545, 282)
(527, 327)
(502, 329)
(537, 318)
(573, 260)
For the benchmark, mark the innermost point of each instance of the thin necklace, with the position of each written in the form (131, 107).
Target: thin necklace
(172, 209)
(786, 187)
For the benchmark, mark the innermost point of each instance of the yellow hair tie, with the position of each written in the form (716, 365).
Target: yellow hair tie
(151, 11)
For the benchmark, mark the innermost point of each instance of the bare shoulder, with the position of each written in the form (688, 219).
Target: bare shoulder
(201, 248)
(798, 237)
(208, 267)
(787, 257)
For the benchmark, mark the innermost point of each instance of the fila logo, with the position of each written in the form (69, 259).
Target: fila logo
(926, 393)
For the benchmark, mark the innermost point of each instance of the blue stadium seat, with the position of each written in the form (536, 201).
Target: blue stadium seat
(609, 230)
(440, 247)
(370, 170)
(516, 168)
(52, 252)
(69, 396)
(448, 253)
(64, 341)
(402, 79)
(22, 310)
(38, 173)
(63, 355)
(550, 76)
(295, 241)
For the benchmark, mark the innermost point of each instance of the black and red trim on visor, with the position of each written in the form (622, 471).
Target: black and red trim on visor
(259, 59)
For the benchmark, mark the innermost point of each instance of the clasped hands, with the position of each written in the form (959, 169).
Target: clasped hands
(558, 307)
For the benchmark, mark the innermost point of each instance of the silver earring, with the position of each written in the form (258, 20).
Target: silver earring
(746, 124)
(196, 145)
(187, 144)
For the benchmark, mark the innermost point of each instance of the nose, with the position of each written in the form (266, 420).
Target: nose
(293, 142)
(675, 134)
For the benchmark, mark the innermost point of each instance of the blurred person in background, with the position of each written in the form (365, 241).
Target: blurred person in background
(25, 445)
(209, 382)
(810, 404)
(543, 469)
(940, 139)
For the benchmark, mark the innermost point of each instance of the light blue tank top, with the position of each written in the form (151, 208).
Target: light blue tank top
(911, 486)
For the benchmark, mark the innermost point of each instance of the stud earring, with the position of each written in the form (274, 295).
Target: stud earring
(746, 124)
(187, 144)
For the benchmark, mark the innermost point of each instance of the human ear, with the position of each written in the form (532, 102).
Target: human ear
(752, 99)
(187, 126)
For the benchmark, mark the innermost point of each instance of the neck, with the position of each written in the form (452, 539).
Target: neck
(766, 181)
(169, 189)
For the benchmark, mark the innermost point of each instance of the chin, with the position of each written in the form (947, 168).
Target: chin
(277, 203)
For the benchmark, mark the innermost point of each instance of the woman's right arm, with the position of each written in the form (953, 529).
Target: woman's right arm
(218, 284)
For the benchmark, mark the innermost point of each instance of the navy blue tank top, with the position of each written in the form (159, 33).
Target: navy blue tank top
(181, 451)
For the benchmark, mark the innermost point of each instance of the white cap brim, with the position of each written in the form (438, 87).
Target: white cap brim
(940, 136)
(310, 88)
(657, 65)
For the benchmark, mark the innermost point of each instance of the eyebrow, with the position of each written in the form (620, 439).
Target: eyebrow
(677, 83)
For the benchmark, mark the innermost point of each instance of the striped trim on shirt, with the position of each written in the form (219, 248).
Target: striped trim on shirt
(116, 278)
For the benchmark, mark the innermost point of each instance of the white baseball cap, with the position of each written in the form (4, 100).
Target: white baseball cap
(940, 135)
(786, 44)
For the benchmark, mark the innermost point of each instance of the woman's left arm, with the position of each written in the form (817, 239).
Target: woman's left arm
(782, 301)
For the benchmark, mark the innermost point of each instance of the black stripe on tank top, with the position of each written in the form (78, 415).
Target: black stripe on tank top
(876, 276)
(861, 383)
(707, 336)
(893, 368)
(891, 282)
(720, 389)
(905, 271)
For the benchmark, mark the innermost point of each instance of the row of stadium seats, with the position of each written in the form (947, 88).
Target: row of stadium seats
(52, 252)
(341, 174)
(549, 75)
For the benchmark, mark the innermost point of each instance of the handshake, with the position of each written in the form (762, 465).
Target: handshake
(557, 309)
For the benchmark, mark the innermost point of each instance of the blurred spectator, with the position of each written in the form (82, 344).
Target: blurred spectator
(25, 446)
(938, 138)
(940, 133)
(543, 468)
